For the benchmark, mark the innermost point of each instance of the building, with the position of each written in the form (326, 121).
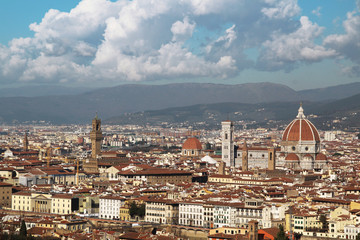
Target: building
(191, 147)
(300, 144)
(162, 211)
(109, 206)
(227, 149)
(5, 195)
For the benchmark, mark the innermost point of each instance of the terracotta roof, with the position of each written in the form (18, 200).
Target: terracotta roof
(292, 156)
(301, 129)
(320, 156)
(192, 143)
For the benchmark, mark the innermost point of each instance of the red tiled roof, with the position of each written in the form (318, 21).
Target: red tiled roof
(192, 143)
(301, 129)
(292, 156)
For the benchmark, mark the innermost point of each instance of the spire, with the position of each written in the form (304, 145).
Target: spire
(300, 112)
(245, 148)
(96, 116)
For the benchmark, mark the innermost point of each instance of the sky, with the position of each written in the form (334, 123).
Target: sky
(100, 43)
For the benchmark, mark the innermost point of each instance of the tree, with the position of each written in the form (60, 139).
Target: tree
(141, 211)
(358, 236)
(324, 222)
(281, 234)
(23, 231)
(133, 209)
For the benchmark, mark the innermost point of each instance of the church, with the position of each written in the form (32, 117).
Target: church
(299, 148)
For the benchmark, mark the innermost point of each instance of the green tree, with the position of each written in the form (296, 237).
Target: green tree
(358, 236)
(141, 211)
(324, 222)
(133, 209)
(23, 231)
(281, 234)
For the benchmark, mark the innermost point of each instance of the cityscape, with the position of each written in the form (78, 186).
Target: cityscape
(180, 120)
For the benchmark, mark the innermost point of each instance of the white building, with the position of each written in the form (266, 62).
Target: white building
(191, 214)
(109, 206)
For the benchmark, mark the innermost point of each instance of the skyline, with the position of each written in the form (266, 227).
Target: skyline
(302, 44)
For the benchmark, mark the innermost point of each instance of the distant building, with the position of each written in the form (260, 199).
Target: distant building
(191, 147)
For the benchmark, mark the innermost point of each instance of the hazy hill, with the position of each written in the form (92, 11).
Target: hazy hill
(44, 90)
(327, 93)
(348, 110)
(114, 101)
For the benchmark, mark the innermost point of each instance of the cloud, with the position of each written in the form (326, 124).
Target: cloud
(139, 40)
(284, 50)
(316, 11)
(281, 9)
(347, 45)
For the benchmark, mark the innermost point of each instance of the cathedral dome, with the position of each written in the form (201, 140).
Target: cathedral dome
(192, 144)
(301, 129)
(292, 157)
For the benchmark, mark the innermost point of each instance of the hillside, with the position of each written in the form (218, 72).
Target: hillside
(115, 101)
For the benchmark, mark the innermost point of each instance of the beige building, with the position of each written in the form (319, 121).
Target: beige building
(162, 211)
(5, 195)
(45, 203)
(61, 204)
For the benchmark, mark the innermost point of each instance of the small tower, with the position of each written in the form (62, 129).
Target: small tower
(26, 142)
(245, 162)
(271, 158)
(96, 137)
(221, 168)
(227, 150)
(253, 230)
(48, 156)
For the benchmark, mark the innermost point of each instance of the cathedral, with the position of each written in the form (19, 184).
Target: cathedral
(299, 148)
(300, 145)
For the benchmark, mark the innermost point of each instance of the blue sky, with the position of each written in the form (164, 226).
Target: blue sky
(303, 44)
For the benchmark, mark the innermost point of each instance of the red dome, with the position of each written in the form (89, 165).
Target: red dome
(301, 130)
(292, 157)
(192, 143)
(320, 156)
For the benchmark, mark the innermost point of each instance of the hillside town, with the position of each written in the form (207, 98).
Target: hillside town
(110, 182)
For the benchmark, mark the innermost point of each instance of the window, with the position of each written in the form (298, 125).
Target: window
(226, 136)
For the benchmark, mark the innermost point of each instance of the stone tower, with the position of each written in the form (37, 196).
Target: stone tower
(228, 143)
(221, 168)
(245, 163)
(271, 158)
(96, 137)
(26, 142)
(253, 230)
(91, 164)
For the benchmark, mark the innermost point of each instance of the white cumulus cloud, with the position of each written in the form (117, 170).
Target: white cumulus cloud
(112, 41)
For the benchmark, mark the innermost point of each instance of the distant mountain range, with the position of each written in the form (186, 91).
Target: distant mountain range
(210, 115)
(115, 101)
(43, 90)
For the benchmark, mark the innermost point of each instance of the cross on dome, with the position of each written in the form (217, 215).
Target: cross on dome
(301, 114)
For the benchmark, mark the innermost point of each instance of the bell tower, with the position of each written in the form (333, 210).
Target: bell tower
(26, 142)
(228, 143)
(96, 137)
(271, 158)
(245, 161)
(91, 164)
